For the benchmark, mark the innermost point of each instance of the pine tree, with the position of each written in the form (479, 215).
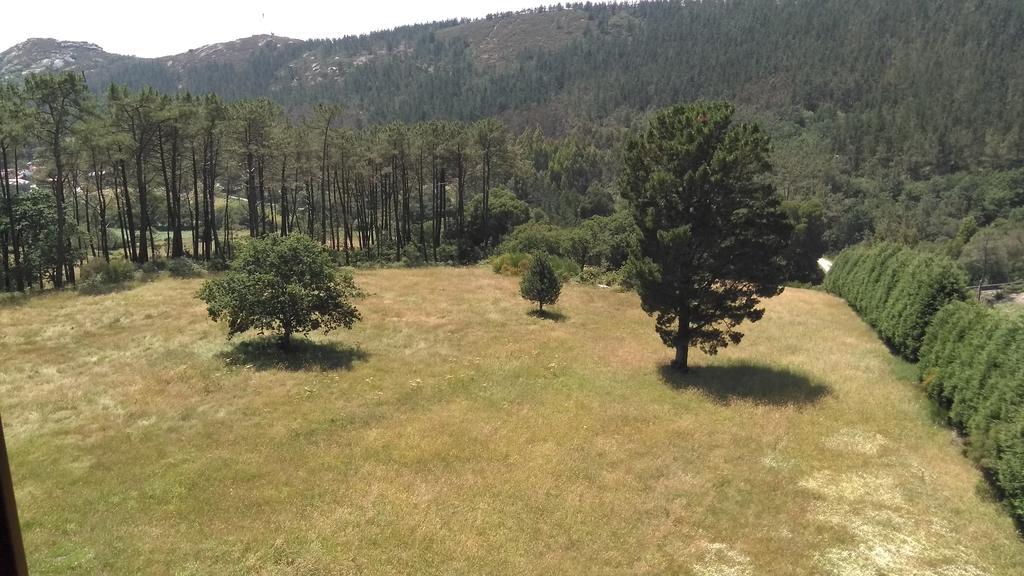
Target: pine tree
(711, 228)
(540, 284)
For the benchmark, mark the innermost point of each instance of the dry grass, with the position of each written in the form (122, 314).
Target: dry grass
(453, 433)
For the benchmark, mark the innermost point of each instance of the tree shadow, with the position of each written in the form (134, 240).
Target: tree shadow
(551, 315)
(748, 382)
(264, 354)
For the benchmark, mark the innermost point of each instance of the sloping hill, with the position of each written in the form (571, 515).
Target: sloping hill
(924, 87)
(38, 55)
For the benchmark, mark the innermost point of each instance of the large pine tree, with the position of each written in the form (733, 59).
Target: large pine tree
(712, 230)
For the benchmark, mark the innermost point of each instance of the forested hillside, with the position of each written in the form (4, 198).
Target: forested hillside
(892, 119)
(935, 86)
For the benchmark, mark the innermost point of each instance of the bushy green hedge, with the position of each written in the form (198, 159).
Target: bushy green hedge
(972, 364)
(896, 289)
(971, 356)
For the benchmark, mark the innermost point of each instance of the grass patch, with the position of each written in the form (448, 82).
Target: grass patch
(452, 433)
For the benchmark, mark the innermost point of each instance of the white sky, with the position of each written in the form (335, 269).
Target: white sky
(153, 28)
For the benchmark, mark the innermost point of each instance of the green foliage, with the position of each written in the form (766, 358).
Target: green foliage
(995, 254)
(540, 284)
(712, 233)
(518, 263)
(972, 365)
(896, 289)
(920, 99)
(535, 237)
(412, 256)
(511, 263)
(153, 267)
(807, 243)
(183, 268)
(99, 276)
(114, 272)
(506, 212)
(601, 241)
(281, 284)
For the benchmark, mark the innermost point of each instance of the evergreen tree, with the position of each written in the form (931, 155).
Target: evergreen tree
(540, 284)
(59, 102)
(711, 227)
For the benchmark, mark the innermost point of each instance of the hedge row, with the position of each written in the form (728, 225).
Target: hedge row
(896, 289)
(972, 364)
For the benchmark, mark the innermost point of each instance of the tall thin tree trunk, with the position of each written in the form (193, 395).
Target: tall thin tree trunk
(140, 178)
(195, 204)
(58, 193)
(284, 195)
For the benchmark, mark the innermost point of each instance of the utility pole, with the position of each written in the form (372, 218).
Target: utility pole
(12, 551)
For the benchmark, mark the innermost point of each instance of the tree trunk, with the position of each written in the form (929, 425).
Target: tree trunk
(195, 205)
(285, 341)
(263, 195)
(682, 356)
(58, 194)
(140, 177)
(284, 195)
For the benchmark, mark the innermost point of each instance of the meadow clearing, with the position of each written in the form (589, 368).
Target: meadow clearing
(453, 433)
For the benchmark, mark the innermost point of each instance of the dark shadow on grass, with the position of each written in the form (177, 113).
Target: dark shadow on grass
(748, 382)
(264, 354)
(552, 315)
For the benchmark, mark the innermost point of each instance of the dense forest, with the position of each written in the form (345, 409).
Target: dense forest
(141, 176)
(891, 120)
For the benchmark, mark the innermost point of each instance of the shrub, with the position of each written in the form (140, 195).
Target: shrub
(218, 265)
(153, 267)
(517, 264)
(1009, 466)
(511, 264)
(591, 275)
(412, 256)
(98, 271)
(972, 365)
(184, 268)
(897, 290)
(540, 284)
(565, 268)
(94, 286)
(534, 238)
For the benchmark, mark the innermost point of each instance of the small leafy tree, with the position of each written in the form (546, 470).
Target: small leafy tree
(281, 284)
(712, 232)
(540, 284)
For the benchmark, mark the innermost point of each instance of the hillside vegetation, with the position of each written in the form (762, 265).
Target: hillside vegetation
(931, 86)
(898, 120)
(453, 433)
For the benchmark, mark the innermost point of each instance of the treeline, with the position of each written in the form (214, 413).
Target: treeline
(972, 364)
(903, 120)
(896, 289)
(141, 174)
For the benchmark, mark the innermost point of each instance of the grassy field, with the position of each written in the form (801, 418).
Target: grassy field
(453, 433)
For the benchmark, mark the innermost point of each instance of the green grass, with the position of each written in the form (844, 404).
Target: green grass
(454, 433)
